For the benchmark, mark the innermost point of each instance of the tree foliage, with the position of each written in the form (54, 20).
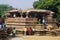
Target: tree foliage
(4, 8)
(53, 5)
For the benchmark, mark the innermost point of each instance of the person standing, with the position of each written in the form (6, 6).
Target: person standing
(0, 26)
(39, 21)
(25, 29)
(33, 31)
(3, 25)
(44, 23)
(14, 32)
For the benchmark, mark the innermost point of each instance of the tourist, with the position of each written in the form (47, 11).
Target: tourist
(39, 21)
(14, 32)
(25, 29)
(29, 31)
(33, 31)
(3, 25)
(0, 26)
(44, 23)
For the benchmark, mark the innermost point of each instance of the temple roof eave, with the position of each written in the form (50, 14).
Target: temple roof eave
(19, 10)
(31, 10)
(43, 11)
(13, 11)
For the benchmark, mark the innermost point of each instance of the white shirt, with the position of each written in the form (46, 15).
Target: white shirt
(0, 26)
(43, 21)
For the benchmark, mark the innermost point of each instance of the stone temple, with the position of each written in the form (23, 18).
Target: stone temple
(29, 18)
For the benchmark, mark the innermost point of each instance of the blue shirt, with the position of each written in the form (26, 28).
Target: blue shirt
(2, 25)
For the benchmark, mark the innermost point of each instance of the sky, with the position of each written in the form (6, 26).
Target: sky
(18, 3)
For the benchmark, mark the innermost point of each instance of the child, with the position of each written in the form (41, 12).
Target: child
(14, 32)
(25, 29)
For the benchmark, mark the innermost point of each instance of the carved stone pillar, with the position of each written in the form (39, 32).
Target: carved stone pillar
(26, 15)
(21, 16)
(14, 15)
(50, 19)
(50, 16)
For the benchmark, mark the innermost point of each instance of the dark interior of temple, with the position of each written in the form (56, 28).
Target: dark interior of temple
(16, 13)
(31, 14)
(24, 15)
(38, 15)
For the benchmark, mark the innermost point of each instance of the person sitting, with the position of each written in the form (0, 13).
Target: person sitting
(29, 31)
(49, 27)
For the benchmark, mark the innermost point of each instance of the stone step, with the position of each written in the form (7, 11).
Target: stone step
(19, 24)
(21, 20)
(15, 23)
(37, 27)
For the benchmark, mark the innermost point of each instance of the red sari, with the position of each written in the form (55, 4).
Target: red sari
(29, 32)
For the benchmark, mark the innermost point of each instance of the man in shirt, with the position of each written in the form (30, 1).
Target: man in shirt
(44, 23)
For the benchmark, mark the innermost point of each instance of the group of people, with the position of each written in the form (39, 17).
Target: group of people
(29, 31)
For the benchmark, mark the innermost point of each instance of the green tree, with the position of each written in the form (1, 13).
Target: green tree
(3, 9)
(53, 5)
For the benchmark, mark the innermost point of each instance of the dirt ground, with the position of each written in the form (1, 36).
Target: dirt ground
(20, 37)
(35, 38)
(42, 38)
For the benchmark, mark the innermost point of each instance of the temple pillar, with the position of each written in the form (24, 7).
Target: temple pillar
(21, 15)
(14, 15)
(50, 21)
(49, 18)
(6, 17)
(26, 15)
